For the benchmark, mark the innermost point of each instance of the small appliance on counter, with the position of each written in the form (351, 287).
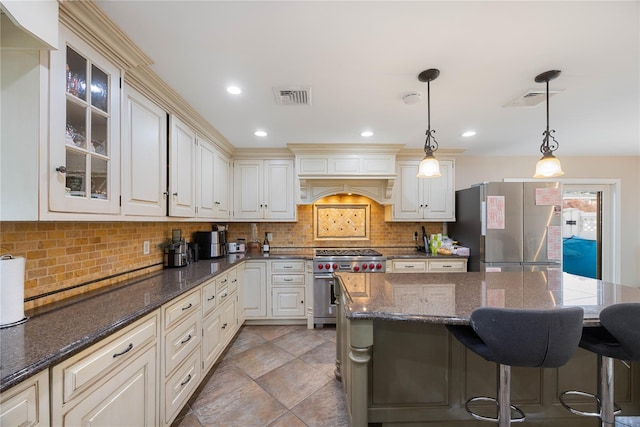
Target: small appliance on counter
(212, 244)
(176, 251)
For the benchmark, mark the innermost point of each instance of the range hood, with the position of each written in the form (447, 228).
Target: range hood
(327, 169)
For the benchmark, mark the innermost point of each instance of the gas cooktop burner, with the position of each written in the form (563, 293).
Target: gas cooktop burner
(347, 252)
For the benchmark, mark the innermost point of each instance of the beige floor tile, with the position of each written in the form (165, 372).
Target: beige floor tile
(292, 382)
(287, 420)
(324, 408)
(189, 420)
(270, 332)
(322, 358)
(260, 360)
(245, 340)
(299, 341)
(248, 406)
(225, 378)
(328, 333)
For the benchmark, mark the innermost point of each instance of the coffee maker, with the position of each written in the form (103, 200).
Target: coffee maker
(175, 251)
(212, 244)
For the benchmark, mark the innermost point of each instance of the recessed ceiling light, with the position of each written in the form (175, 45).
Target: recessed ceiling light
(234, 90)
(260, 133)
(366, 133)
(469, 133)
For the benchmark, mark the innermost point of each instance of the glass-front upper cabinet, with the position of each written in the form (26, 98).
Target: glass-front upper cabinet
(84, 140)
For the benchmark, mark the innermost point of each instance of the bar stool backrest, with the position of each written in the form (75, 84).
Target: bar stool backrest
(623, 322)
(529, 338)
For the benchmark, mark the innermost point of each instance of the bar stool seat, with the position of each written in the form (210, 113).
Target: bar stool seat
(519, 337)
(617, 337)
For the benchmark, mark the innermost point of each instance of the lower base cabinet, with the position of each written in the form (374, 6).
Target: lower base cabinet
(26, 404)
(288, 302)
(113, 382)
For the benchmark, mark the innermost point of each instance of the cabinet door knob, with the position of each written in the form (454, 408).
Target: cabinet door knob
(175, 194)
(62, 169)
(166, 193)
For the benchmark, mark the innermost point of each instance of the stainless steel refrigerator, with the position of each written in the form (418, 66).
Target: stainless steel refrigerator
(510, 226)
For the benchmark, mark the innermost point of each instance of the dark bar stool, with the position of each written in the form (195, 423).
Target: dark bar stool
(519, 337)
(617, 337)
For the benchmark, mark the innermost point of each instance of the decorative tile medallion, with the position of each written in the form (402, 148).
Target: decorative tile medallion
(343, 221)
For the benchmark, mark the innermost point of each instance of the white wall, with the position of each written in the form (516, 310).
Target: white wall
(472, 170)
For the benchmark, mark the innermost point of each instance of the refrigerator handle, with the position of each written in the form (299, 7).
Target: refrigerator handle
(483, 218)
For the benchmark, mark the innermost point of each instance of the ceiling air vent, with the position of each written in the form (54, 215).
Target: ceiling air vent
(292, 95)
(531, 98)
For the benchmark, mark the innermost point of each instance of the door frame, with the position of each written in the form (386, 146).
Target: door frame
(611, 211)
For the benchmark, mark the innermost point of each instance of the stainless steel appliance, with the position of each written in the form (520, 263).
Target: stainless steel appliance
(175, 254)
(212, 244)
(510, 226)
(327, 261)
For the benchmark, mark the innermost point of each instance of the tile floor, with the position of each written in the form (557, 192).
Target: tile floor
(271, 376)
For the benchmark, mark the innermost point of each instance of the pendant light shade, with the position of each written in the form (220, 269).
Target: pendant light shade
(548, 166)
(429, 166)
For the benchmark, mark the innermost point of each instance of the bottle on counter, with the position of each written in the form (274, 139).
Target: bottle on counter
(265, 244)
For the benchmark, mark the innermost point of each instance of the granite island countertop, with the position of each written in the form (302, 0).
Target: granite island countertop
(449, 298)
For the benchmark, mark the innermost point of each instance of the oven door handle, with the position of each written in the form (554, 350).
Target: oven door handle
(323, 276)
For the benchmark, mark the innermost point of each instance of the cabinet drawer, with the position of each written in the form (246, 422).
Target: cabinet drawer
(181, 341)
(91, 365)
(457, 265)
(287, 266)
(183, 307)
(408, 266)
(287, 279)
(209, 297)
(180, 386)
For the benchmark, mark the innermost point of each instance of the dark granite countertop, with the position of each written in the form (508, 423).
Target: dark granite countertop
(449, 298)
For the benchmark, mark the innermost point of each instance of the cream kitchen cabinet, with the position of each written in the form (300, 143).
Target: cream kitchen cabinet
(287, 283)
(263, 190)
(83, 167)
(255, 290)
(113, 382)
(422, 199)
(429, 265)
(182, 173)
(212, 182)
(144, 156)
(26, 404)
(181, 366)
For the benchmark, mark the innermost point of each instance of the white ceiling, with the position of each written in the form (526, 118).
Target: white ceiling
(360, 57)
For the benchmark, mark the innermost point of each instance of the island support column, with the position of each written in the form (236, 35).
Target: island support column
(361, 334)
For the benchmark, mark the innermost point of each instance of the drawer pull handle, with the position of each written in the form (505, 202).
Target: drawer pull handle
(186, 340)
(223, 281)
(224, 326)
(447, 266)
(187, 307)
(287, 266)
(211, 299)
(224, 295)
(126, 350)
(288, 280)
(409, 266)
(186, 381)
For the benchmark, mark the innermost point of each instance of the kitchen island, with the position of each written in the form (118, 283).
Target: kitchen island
(400, 366)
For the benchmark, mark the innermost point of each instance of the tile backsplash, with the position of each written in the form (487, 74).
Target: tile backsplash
(81, 256)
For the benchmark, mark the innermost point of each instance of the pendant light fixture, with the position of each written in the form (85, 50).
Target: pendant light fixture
(429, 166)
(548, 166)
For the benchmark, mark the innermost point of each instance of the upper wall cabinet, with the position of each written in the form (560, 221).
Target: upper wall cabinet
(144, 156)
(84, 142)
(182, 181)
(422, 199)
(263, 190)
(212, 182)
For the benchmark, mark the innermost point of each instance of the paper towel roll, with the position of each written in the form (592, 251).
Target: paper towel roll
(11, 290)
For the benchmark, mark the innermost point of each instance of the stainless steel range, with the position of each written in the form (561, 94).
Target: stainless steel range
(327, 261)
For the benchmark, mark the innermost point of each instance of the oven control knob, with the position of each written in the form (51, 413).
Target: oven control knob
(356, 268)
(327, 266)
(335, 266)
(378, 266)
(320, 266)
(364, 266)
(372, 266)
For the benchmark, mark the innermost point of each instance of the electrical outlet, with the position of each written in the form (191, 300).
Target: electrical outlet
(269, 236)
(145, 247)
(415, 236)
